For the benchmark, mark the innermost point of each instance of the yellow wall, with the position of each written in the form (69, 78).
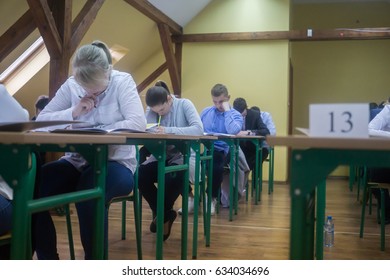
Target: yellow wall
(339, 71)
(256, 71)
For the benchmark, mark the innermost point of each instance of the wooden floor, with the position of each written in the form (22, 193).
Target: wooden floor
(257, 232)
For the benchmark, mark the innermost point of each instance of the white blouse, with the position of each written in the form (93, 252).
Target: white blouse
(119, 106)
(380, 125)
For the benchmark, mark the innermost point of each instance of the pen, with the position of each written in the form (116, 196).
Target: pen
(159, 120)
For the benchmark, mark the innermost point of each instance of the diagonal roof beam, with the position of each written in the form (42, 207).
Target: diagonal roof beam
(61, 36)
(156, 73)
(156, 15)
(16, 34)
(170, 57)
(47, 27)
(83, 22)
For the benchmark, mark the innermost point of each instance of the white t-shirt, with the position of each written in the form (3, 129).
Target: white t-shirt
(10, 111)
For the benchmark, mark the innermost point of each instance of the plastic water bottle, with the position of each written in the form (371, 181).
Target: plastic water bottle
(329, 232)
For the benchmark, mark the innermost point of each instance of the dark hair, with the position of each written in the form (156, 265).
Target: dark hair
(42, 102)
(373, 105)
(218, 90)
(255, 108)
(162, 84)
(156, 95)
(240, 104)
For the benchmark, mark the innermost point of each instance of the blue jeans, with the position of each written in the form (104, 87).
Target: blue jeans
(61, 177)
(5, 215)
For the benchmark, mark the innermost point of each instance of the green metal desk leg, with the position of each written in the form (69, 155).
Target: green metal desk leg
(207, 215)
(22, 184)
(236, 174)
(100, 167)
(196, 147)
(231, 178)
(256, 172)
(157, 148)
(271, 171)
(185, 149)
(321, 205)
(260, 176)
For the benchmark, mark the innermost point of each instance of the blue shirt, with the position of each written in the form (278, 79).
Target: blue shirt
(267, 120)
(214, 121)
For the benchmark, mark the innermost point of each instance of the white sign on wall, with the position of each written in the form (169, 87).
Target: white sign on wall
(339, 120)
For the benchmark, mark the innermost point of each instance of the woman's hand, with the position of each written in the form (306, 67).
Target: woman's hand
(87, 103)
(160, 130)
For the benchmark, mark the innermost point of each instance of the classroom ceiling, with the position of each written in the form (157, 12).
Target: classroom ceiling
(181, 11)
(337, 1)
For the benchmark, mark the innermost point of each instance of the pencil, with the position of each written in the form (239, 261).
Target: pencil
(159, 120)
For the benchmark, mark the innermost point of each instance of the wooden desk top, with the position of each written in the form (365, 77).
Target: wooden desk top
(303, 142)
(243, 137)
(59, 138)
(249, 137)
(208, 137)
(156, 136)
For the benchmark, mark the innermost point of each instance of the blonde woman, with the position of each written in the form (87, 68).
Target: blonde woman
(107, 99)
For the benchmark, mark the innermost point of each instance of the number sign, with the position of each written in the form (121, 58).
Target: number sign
(339, 120)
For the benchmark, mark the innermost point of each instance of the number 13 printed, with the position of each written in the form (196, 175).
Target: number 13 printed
(345, 120)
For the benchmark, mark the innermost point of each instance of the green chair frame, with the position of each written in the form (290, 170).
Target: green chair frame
(368, 187)
(271, 162)
(7, 238)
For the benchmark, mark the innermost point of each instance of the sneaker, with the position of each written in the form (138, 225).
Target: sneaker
(213, 206)
(190, 206)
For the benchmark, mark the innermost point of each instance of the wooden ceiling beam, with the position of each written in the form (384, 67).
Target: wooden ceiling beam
(83, 22)
(46, 24)
(61, 36)
(146, 8)
(170, 57)
(16, 34)
(62, 15)
(293, 35)
(154, 75)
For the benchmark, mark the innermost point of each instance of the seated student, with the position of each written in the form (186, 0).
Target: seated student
(220, 118)
(143, 152)
(108, 99)
(174, 115)
(254, 125)
(40, 104)
(381, 124)
(10, 111)
(267, 120)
